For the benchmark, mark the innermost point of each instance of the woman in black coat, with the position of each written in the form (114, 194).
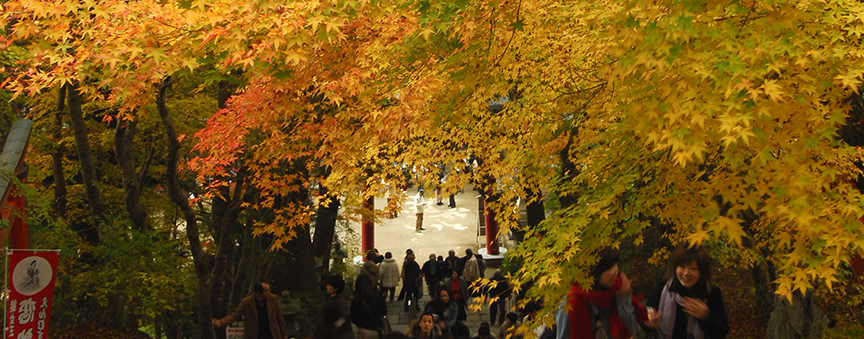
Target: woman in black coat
(688, 305)
(447, 312)
(502, 292)
(367, 309)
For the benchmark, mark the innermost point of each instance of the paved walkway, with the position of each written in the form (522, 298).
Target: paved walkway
(446, 229)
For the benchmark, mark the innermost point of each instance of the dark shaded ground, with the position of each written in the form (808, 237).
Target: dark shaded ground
(92, 331)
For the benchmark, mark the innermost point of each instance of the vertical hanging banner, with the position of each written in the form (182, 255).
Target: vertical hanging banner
(30, 286)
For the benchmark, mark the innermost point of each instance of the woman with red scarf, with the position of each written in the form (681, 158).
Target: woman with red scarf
(607, 310)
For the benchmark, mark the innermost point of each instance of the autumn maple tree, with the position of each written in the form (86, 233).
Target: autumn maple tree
(716, 121)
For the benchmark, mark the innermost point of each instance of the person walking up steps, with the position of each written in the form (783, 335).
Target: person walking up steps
(410, 282)
(484, 332)
(402, 273)
(471, 270)
(501, 291)
(425, 328)
(389, 275)
(458, 292)
(370, 269)
(481, 265)
(432, 273)
(452, 263)
(367, 309)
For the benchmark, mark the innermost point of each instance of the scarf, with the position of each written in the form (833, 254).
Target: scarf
(580, 314)
(669, 305)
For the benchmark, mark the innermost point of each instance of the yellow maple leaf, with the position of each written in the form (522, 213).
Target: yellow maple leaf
(772, 90)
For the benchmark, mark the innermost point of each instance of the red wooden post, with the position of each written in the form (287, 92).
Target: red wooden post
(19, 238)
(12, 205)
(491, 232)
(368, 225)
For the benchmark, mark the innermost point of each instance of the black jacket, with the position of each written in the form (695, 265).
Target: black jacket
(427, 271)
(717, 324)
(368, 315)
(502, 290)
(410, 272)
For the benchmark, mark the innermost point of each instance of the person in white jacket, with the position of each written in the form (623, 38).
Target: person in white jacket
(419, 203)
(389, 275)
(471, 272)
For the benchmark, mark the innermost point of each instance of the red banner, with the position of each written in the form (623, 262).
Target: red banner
(31, 289)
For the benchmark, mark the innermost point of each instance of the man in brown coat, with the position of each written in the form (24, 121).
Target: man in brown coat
(262, 317)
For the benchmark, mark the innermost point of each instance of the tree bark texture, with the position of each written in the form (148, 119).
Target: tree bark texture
(535, 211)
(248, 256)
(325, 228)
(179, 196)
(124, 136)
(299, 272)
(225, 227)
(85, 158)
(568, 171)
(57, 156)
(802, 318)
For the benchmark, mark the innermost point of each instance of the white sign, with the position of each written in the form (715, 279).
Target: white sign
(31, 275)
(234, 330)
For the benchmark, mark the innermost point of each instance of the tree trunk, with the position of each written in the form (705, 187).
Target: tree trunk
(85, 158)
(218, 208)
(325, 228)
(124, 136)
(157, 327)
(535, 210)
(179, 196)
(568, 172)
(299, 273)
(248, 256)
(225, 227)
(57, 156)
(802, 318)
(142, 175)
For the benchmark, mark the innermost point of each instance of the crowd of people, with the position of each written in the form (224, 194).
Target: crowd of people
(685, 305)
(446, 280)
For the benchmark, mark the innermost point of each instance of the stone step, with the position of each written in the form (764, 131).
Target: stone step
(400, 319)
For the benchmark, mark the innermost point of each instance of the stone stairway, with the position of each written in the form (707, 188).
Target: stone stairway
(400, 320)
